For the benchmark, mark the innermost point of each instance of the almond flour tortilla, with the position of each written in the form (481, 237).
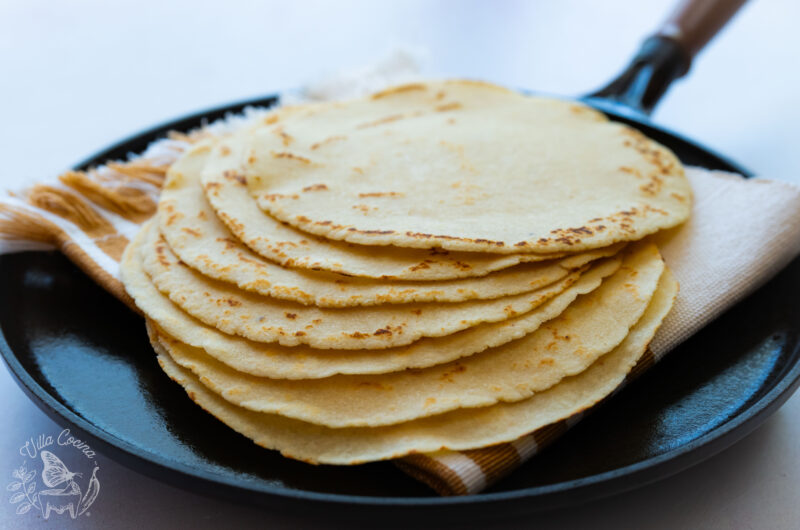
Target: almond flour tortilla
(457, 430)
(565, 346)
(302, 362)
(226, 192)
(264, 319)
(465, 167)
(200, 240)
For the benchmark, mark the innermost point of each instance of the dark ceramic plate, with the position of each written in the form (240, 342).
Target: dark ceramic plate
(85, 360)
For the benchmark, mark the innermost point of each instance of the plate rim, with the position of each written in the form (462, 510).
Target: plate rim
(646, 471)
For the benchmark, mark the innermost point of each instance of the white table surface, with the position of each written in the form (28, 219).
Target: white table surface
(75, 76)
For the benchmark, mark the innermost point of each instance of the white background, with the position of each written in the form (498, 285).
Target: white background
(77, 75)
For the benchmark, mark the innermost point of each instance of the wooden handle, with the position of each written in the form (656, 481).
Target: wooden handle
(695, 22)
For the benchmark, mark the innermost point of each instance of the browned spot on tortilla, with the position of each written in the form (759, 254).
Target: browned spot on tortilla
(234, 176)
(420, 266)
(285, 137)
(290, 316)
(191, 232)
(272, 197)
(399, 90)
(382, 331)
(382, 232)
(381, 194)
(233, 303)
(291, 156)
(631, 171)
(449, 106)
(361, 207)
(456, 369)
(380, 121)
(326, 141)
(171, 219)
(316, 187)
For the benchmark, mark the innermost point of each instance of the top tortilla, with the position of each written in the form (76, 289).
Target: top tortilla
(465, 167)
(226, 192)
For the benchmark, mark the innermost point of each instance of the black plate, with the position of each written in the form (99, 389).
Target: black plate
(85, 360)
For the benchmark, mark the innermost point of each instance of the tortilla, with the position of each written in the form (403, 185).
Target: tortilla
(264, 319)
(200, 240)
(457, 430)
(465, 167)
(565, 346)
(226, 192)
(302, 362)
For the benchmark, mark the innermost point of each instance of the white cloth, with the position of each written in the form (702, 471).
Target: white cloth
(741, 233)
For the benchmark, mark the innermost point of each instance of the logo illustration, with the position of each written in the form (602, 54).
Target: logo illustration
(64, 494)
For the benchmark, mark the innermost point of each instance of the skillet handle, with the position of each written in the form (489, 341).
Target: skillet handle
(667, 54)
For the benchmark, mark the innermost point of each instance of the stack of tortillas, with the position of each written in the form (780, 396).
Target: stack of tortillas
(440, 265)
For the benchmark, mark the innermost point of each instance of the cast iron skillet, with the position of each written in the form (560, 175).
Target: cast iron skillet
(83, 358)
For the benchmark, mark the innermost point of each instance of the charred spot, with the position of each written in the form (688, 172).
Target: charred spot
(299, 333)
(382, 331)
(290, 316)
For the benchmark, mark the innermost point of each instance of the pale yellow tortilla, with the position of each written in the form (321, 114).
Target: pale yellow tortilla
(565, 346)
(465, 167)
(458, 430)
(200, 240)
(264, 319)
(228, 196)
(302, 362)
